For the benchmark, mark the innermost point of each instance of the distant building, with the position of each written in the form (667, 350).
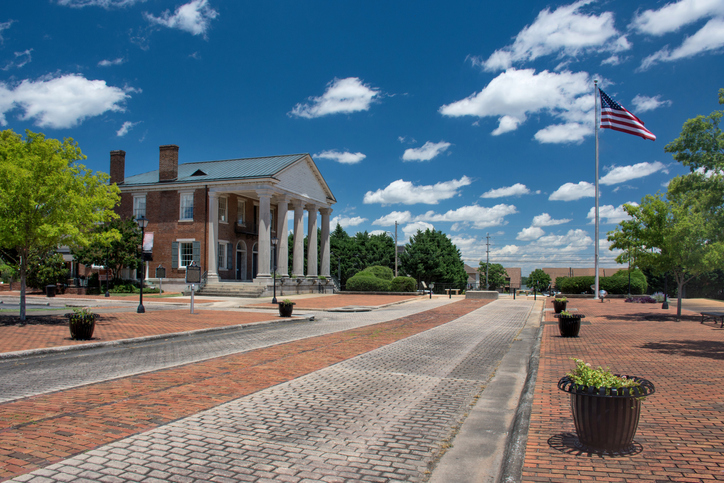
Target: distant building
(476, 280)
(579, 272)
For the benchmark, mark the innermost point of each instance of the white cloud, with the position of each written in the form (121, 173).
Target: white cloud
(4, 26)
(396, 216)
(108, 63)
(609, 214)
(405, 192)
(621, 174)
(710, 37)
(61, 102)
(530, 234)
(571, 132)
(544, 219)
(193, 17)
(341, 157)
(517, 189)
(346, 221)
(565, 32)
(127, 126)
(98, 3)
(342, 96)
(412, 228)
(21, 58)
(645, 103)
(515, 94)
(573, 191)
(428, 151)
(574, 240)
(675, 15)
(477, 216)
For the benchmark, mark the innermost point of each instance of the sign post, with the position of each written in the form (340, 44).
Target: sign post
(193, 276)
(160, 275)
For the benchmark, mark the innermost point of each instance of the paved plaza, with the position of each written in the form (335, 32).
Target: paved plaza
(412, 389)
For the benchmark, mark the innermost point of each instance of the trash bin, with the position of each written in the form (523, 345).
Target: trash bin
(50, 290)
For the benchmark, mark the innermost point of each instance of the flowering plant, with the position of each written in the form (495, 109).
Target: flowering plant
(585, 375)
(82, 315)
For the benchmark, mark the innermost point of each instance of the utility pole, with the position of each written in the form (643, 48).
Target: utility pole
(487, 259)
(395, 249)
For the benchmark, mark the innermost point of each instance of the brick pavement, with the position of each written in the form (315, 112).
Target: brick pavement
(37, 431)
(680, 435)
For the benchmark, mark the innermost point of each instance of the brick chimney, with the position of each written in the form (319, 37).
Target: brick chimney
(118, 166)
(168, 163)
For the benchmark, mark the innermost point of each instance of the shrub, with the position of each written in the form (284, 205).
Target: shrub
(385, 273)
(367, 282)
(575, 284)
(403, 284)
(615, 284)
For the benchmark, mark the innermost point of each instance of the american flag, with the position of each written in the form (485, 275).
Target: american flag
(615, 116)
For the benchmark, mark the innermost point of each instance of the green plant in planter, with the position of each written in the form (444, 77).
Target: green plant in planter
(286, 302)
(82, 322)
(286, 307)
(585, 375)
(560, 300)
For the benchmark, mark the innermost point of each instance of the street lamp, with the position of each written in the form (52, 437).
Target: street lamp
(142, 224)
(432, 286)
(107, 280)
(274, 242)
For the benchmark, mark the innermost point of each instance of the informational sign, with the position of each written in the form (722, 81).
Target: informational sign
(161, 272)
(193, 274)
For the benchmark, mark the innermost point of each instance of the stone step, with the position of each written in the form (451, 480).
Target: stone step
(220, 289)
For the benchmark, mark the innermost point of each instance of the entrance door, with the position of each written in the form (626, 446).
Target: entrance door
(241, 261)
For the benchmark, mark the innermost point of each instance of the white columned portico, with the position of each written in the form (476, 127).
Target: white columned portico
(283, 235)
(298, 253)
(212, 241)
(312, 241)
(264, 247)
(325, 241)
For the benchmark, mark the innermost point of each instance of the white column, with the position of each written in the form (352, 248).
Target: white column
(212, 242)
(325, 241)
(298, 254)
(312, 241)
(283, 235)
(264, 246)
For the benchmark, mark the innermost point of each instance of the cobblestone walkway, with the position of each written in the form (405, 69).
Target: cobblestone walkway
(382, 416)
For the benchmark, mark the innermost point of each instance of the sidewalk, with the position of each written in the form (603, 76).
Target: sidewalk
(680, 435)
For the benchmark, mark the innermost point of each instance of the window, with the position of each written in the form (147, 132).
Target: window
(139, 206)
(240, 212)
(187, 207)
(224, 256)
(186, 253)
(223, 212)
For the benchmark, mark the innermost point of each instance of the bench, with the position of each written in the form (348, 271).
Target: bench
(448, 290)
(713, 315)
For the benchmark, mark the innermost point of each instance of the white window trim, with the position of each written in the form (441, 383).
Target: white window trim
(181, 194)
(226, 199)
(136, 197)
(180, 241)
(226, 255)
(243, 212)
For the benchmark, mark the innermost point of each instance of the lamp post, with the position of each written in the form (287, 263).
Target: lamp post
(274, 242)
(142, 224)
(107, 280)
(432, 286)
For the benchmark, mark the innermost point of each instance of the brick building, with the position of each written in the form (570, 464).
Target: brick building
(222, 215)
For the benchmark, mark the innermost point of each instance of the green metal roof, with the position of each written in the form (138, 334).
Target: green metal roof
(244, 168)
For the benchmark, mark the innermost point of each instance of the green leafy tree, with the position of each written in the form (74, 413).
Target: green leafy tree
(46, 269)
(496, 275)
(114, 244)
(672, 236)
(538, 278)
(430, 256)
(47, 198)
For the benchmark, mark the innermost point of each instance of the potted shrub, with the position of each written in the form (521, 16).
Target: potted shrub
(606, 407)
(285, 308)
(569, 324)
(82, 323)
(559, 304)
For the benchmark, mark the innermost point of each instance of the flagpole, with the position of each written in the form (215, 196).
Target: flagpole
(595, 122)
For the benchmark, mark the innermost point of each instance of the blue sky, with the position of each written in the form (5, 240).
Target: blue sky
(474, 118)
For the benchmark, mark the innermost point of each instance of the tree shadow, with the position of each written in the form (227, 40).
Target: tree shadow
(10, 320)
(568, 443)
(649, 317)
(689, 348)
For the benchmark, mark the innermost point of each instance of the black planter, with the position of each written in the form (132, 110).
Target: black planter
(569, 325)
(559, 307)
(81, 327)
(285, 310)
(606, 419)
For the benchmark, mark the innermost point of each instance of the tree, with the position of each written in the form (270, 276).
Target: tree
(538, 279)
(114, 244)
(496, 275)
(46, 269)
(430, 256)
(47, 198)
(671, 235)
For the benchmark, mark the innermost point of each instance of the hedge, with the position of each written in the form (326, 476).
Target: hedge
(367, 282)
(385, 273)
(615, 284)
(403, 284)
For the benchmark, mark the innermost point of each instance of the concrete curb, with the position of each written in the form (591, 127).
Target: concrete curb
(96, 345)
(479, 449)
